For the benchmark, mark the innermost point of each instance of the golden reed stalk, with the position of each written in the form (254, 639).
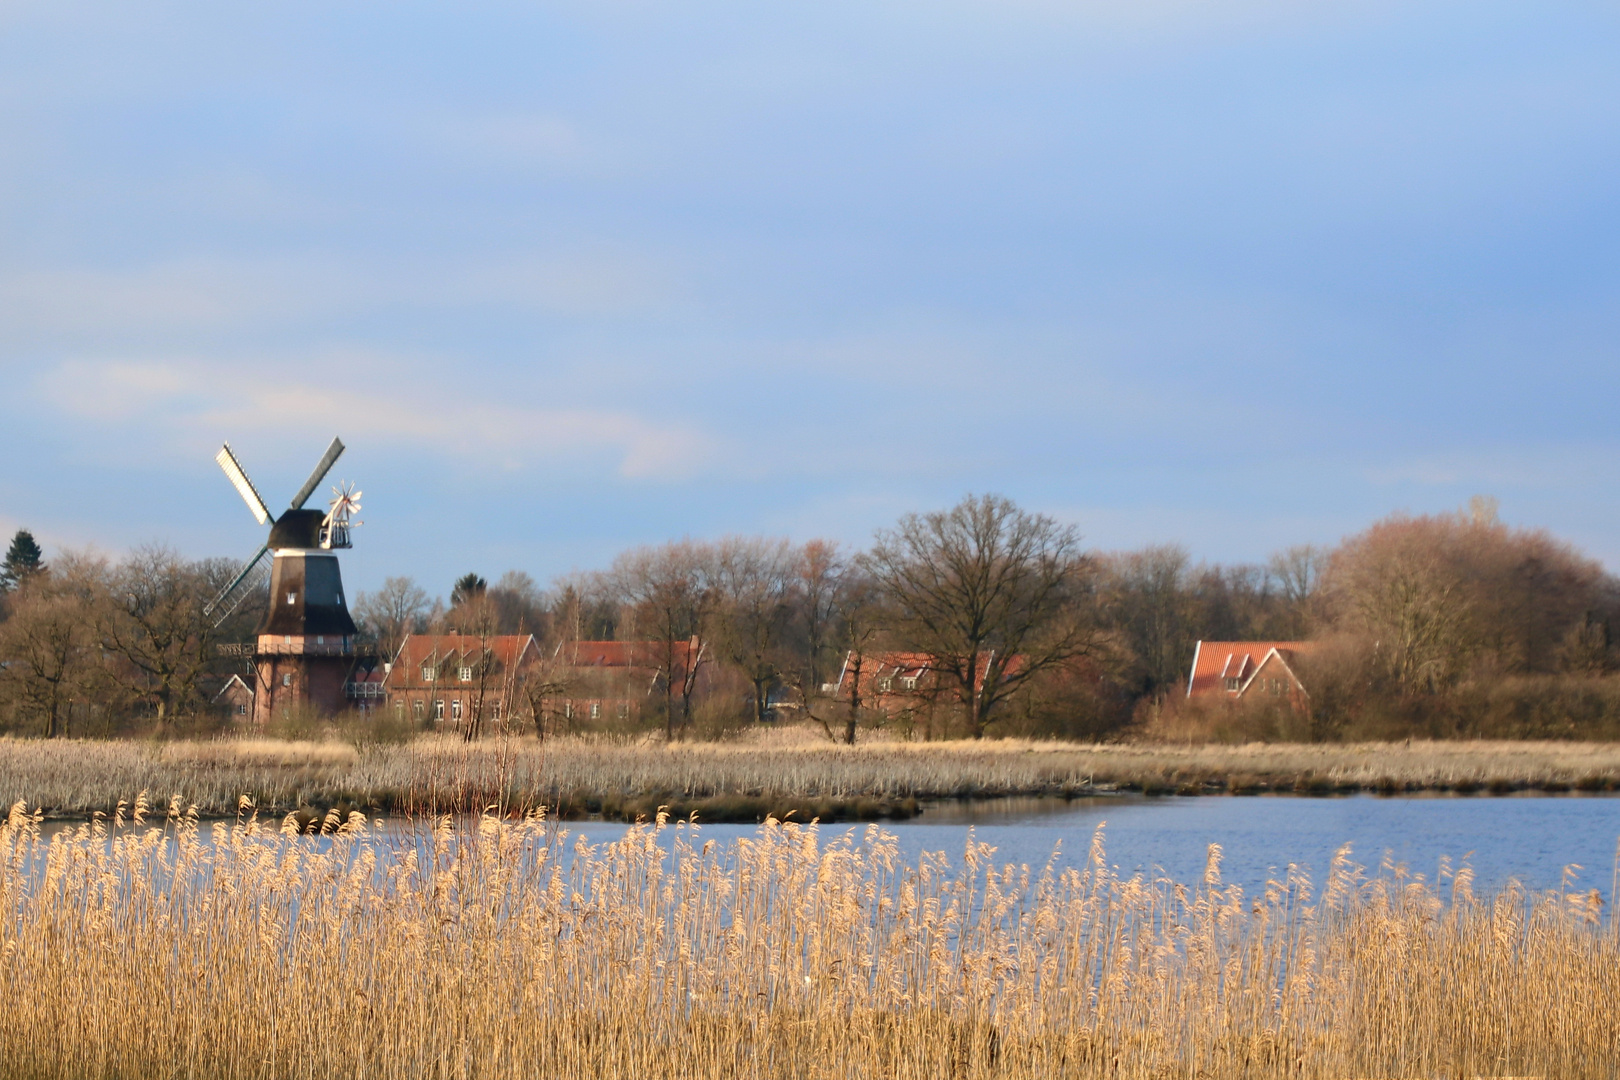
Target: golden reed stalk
(242, 950)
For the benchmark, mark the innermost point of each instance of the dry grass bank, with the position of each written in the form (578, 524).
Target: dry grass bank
(240, 951)
(775, 771)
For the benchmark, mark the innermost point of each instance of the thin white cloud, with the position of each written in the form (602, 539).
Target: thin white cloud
(206, 295)
(480, 426)
(1538, 468)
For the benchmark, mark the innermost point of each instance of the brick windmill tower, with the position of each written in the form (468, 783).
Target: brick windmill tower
(304, 653)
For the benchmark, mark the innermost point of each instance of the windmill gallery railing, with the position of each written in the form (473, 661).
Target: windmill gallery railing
(291, 645)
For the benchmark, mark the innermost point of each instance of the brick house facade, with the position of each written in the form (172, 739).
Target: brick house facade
(451, 678)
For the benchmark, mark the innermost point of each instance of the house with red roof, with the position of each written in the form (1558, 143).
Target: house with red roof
(616, 680)
(1238, 669)
(898, 681)
(451, 678)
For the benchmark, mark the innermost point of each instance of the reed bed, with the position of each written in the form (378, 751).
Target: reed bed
(766, 773)
(499, 949)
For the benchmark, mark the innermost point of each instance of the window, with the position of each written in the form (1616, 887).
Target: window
(291, 597)
(286, 639)
(495, 711)
(241, 710)
(418, 707)
(596, 710)
(1233, 684)
(624, 709)
(909, 682)
(320, 639)
(286, 680)
(427, 672)
(438, 710)
(885, 684)
(568, 710)
(464, 674)
(399, 708)
(455, 711)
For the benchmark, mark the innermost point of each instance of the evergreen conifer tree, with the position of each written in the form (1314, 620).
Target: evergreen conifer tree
(23, 559)
(468, 587)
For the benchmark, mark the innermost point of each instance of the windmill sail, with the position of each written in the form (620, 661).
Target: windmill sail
(239, 478)
(315, 478)
(248, 580)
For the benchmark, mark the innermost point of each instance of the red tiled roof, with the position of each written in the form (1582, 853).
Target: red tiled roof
(622, 654)
(1215, 661)
(418, 649)
(901, 665)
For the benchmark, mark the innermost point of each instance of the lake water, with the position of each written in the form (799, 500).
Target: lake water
(1531, 838)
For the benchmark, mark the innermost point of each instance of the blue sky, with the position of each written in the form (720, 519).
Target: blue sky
(568, 278)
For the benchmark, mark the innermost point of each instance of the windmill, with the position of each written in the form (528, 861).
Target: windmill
(304, 651)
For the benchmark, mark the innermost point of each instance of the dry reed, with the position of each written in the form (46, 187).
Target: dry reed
(241, 950)
(78, 777)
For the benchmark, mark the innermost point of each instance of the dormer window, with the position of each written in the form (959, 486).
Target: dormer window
(885, 684)
(427, 672)
(909, 682)
(1233, 684)
(464, 674)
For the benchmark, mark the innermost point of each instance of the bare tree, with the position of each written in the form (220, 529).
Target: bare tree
(989, 592)
(1297, 572)
(671, 589)
(391, 613)
(1146, 600)
(519, 606)
(858, 621)
(1445, 595)
(821, 571)
(754, 587)
(48, 644)
(152, 618)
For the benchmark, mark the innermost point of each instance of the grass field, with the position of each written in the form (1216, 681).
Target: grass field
(240, 950)
(774, 772)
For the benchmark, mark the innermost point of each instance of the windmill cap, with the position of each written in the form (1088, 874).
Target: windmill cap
(297, 529)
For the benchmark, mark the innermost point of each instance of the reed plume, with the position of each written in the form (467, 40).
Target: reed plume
(502, 948)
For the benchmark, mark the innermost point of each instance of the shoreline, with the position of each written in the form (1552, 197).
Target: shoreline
(776, 772)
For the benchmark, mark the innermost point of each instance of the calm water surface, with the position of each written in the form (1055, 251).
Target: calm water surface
(1531, 838)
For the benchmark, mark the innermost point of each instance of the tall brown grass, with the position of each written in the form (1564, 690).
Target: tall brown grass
(432, 774)
(243, 950)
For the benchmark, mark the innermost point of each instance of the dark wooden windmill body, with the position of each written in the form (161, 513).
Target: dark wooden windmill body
(304, 653)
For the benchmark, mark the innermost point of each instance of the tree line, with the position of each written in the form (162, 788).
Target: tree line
(1438, 624)
(1441, 624)
(89, 645)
